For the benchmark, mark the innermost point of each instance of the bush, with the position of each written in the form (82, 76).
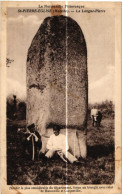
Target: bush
(10, 108)
(16, 110)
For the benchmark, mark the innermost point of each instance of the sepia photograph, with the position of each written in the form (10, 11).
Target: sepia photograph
(61, 110)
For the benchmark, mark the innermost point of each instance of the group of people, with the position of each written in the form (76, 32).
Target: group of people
(57, 144)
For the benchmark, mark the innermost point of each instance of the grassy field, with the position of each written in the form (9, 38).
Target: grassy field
(98, 168)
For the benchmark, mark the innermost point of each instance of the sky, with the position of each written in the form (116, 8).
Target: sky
(99, 32)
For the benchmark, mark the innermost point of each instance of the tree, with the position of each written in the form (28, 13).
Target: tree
(8, 61)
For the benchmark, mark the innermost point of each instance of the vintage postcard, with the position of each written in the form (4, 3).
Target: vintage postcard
(60, 97)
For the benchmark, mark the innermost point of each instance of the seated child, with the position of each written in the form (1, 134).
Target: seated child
(57, 143)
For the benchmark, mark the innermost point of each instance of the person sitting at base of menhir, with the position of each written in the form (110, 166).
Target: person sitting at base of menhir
(57, 143)
(32, 143)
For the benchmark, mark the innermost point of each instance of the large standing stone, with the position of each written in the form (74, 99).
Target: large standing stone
(57, 91)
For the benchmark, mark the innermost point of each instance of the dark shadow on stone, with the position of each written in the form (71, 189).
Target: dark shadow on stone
(51, 125)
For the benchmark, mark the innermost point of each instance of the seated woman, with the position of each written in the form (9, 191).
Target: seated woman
(32, 142)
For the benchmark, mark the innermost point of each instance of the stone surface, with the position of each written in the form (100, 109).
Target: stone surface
(57, 83)
(58, 46)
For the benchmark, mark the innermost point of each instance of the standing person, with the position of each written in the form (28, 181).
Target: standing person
(94, 114)
(99, 118)
(14, 106)
(57, 143)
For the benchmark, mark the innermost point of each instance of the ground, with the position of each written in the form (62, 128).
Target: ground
(98, 168)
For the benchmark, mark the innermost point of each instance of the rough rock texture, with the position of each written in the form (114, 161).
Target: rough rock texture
(57, 84)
